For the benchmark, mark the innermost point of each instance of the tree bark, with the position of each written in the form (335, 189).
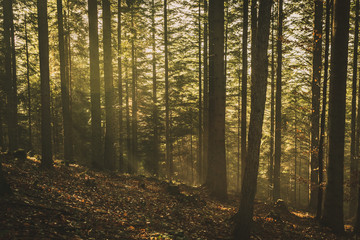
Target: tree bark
(258, 96)
(109, 154)
(205, 96)
(333, 204)
(323, 111)
(278, 121)
(315, 101)
(216, 145)
(244, 83)
(353, 159)
(200, 143)
(272, 110)
(96, 135)
(30, 146)
(46, 159)
(65, 97)
(120, 92)
(167, 107)
(10, 75)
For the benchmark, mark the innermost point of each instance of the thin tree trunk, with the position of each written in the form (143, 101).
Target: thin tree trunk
(200, 144)
(28, 84)
(206, 97)
(109, 154)
(244, 81)
(156, 154)
(323, 111)
(315, 100)
(353, 158)
(278, 121)
(128, 128)
(134, 162)
(46, 160)
(295, 148)
(333, 203)
(167, 107)
(254, 23)
(10, 75)
(120, 92)
(272, 110)
(258, 96)
(96, 141)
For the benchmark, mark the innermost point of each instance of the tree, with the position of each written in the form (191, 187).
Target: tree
(272, 110)
(65, 97)
(243, 218)
(200, 143)
(205, 96)
(28, 82)
(244, 80)
(278, 103)
(167, 107)
(315, 100)
(323, 110)
(333, 203)
(10, 74)
(46, 159)
(120, 92)
(216, 145)
(96, 142)
(353, 156)
(109, 153)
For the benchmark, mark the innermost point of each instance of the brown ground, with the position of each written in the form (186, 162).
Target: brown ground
(77, 203)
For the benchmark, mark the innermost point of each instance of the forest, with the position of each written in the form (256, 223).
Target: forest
(176, 119)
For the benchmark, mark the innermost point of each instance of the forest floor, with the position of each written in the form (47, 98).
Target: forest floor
(77, 203)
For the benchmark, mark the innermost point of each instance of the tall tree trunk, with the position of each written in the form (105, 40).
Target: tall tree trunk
(295, 148)
(315, 100)
(206, 96)
(333, 204)
(278, 127)
(46, 160)
(10, 75)
(258, 96)
(323, 111)
(28, 84)
(128, 128)
(200, 144)
(96, 141)
(120, 92)
(167, 107)
(4, 186)
(156, 153)
(254, 23)
(353, 156)
(109, 154)
(134, 95)
(65, 98)
(244, 80)
(272, 110)
(217, 92)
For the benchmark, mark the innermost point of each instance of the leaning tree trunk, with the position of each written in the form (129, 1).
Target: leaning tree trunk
(333, 205)
(258, 96)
